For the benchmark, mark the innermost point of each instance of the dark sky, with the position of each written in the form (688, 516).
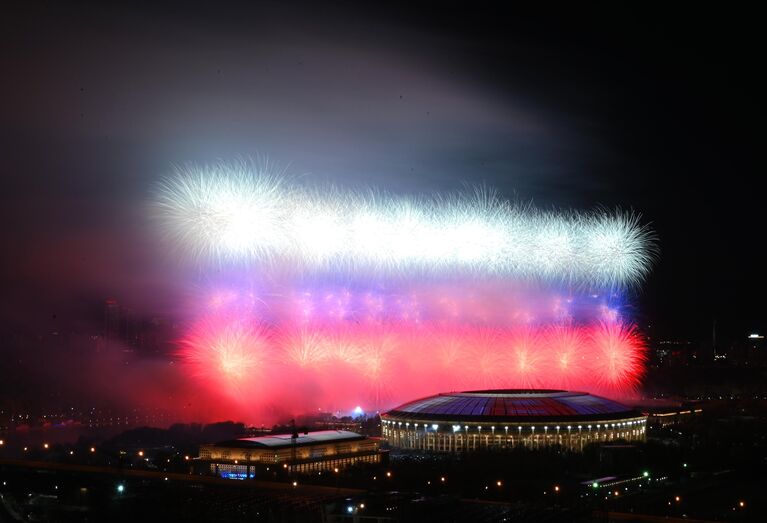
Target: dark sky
(639, 107)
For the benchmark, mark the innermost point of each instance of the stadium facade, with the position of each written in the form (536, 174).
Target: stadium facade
(299, 453)
(502, 419)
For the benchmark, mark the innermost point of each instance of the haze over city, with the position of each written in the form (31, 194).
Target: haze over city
(266, 219)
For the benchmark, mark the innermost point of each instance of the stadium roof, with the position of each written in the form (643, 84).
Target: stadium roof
(520, 405)
(286, 440)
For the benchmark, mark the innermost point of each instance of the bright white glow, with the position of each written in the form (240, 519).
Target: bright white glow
(242, 213)
(755, 337)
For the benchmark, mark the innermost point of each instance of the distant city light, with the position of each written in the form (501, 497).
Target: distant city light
(358, 411)
(120, 488)
(755, 337)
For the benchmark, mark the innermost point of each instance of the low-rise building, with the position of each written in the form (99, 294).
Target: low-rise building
(300, 453)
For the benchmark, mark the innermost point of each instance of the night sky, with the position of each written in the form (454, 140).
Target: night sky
(655, 110)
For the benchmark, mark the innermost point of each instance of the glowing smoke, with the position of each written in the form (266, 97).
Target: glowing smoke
(384, 365)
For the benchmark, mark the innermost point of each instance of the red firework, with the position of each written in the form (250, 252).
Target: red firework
(383, 364)
(227, 353)
(618, 355)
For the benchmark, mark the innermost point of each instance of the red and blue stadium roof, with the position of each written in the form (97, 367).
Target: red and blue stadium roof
(512, 405)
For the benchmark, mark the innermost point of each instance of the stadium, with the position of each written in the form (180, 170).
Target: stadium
(503, 419)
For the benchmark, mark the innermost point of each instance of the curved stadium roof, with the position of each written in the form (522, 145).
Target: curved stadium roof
(518, 405)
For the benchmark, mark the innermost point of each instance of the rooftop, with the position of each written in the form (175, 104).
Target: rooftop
(512, 405)
(277, 441)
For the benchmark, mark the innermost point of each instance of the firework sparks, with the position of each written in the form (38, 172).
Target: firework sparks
(386, 298)
(619, 355)
(228, 353)
(247, 215)
(374, 361)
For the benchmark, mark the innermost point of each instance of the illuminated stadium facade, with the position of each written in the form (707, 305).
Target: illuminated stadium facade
(501, 419)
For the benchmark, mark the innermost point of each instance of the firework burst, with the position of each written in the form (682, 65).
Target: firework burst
(247, 215)
(618, 356)
(342, 294)
(231, 354)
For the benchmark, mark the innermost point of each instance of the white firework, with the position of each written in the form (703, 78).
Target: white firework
(225, 212)
(617, 248)
(247, 215)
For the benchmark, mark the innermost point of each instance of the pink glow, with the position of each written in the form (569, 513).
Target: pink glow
(262, 372)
